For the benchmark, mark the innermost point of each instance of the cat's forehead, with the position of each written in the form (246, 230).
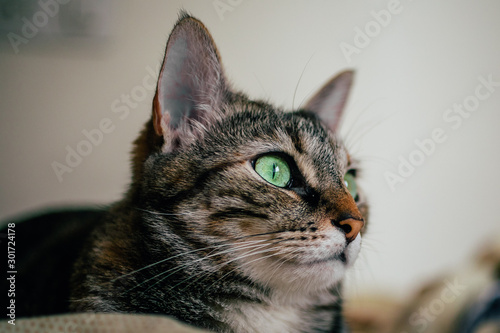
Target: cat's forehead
(261, 129)
(318, 151)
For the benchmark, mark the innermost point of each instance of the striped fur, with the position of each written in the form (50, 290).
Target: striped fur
(200, 235)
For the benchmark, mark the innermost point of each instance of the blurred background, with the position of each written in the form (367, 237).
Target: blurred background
(76, 83)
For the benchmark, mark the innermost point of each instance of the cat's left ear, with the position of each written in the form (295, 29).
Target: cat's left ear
(329, 101)
(191, 85)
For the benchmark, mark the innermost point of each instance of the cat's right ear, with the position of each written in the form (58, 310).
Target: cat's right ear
(330, 100)
(191, 85)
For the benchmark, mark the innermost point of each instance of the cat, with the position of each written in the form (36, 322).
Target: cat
(240, 217)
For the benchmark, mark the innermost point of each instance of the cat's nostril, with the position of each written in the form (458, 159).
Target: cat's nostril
(350, 226)
(346, 228)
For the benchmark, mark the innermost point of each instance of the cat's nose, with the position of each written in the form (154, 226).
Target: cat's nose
(346, 216)
(351, 226)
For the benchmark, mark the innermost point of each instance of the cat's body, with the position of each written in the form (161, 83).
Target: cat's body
(46, 248)
(238, 218)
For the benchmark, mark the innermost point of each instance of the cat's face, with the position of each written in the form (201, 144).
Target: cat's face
(252, 190)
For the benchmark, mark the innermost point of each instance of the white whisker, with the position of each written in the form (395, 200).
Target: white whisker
(298, 82)
(358, 118)
(279, 264)
(219, 266)
(246, 263)
(179, 268)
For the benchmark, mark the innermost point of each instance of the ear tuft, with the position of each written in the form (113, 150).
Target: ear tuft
(330, 100)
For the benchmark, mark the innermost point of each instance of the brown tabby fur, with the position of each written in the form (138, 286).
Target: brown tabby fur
(200, 236)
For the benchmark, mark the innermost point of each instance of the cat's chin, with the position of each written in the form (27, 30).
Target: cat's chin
(306, 276)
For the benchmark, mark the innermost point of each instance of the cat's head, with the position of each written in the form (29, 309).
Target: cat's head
(265, 194)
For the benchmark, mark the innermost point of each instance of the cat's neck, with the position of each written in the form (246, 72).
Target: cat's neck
(300, 314)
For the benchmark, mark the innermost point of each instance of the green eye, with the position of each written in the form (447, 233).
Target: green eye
(350, 183)
(273, 169)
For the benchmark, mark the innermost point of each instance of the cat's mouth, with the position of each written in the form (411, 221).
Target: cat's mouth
(343, 255)
(336, 257)
(313, 260)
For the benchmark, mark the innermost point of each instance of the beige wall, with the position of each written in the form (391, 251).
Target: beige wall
(428, 57)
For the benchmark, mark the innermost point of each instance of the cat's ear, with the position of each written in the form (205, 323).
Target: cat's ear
(328, 103)
(191, 85)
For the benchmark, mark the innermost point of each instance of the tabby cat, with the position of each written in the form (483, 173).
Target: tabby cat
(240, 217)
